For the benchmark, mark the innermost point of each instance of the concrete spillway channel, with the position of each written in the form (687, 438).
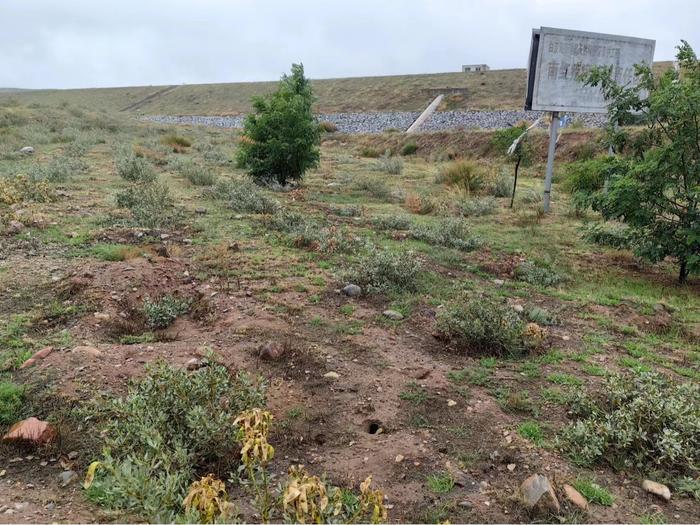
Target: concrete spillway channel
(427, 112)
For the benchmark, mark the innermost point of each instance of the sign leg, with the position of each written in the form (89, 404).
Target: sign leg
(553, 130)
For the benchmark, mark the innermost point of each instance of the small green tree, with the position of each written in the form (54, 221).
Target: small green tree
(657, 192)
(522, 153)
(281, 137)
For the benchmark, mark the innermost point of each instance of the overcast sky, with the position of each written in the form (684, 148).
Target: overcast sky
(87, 43)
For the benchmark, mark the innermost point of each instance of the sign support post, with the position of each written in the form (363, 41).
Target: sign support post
(553, 131)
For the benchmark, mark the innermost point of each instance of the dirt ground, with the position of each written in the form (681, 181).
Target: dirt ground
(358, 424)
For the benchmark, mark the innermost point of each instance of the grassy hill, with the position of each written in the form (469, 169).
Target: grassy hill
(497, 89)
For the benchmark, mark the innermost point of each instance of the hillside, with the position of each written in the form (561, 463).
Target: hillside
(502, 89)
(497, 89)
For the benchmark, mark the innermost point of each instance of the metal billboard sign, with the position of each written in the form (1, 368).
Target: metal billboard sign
(558, 57)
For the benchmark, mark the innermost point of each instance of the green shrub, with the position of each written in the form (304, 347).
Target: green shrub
(449, 232)
(176, 141)
(476, 207)
(409, 148)
(612, 234)
(538, 274)
(59, 169)
(440, 483)
(170, 426)
(374, 186)
(197, 175)
(532, 431)
(308, 233)
(281, 135)
(463, 174)
(392, 222)
(347, 211)
(115, 252)
(385, 271)
(133, 168)
(370, 152)
(11, 402)
(162, 312)
(151, 205)
(389, 164)
(541, 316)
(244, 196)
(585, 178)
(640, 421)
(502, 185)
(483, 325)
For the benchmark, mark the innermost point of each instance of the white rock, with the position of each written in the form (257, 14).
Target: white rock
(658, 489)
(27, 150)
(331, 375)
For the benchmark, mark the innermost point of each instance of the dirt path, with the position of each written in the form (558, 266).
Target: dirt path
(141, 103)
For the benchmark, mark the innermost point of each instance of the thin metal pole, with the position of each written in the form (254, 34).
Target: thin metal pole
(553, 130)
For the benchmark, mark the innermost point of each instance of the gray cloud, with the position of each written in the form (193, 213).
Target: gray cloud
(84, 43)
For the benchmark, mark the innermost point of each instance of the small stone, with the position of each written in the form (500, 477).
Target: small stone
(399, 458)
(518, 308)
(27, 150)
(451, 402)
(102, 316)
(575, 497)
(331, 375)
(352, 290)
(499, 282)
(271, 351)
(164, 236)
(72, 455)
(466, 504)
(67, 477)
(534, 488)
(393, 315)
(510, 467)
(3, 472)
(200, 211)
(14, 227)
(657, 489)
(194, 364)
(162, 251)
(32, 431)
(90, 351)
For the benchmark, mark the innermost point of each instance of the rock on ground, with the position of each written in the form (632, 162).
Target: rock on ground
(32, 431)
(657, 489)
(537, 490)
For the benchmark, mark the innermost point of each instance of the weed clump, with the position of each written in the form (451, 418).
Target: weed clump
(135, 168)
(449, 232)
(162, 312)
(244, 196)
(463, 174)
(170, 424)
(327, 127)
(612, 234)
(385, 271)
(58, 170)
(197, 175)
(538, 274)
(476, 207)
(374, 186)
(392, 222)
(11, 402)
(409, 149)
(483, 325)
(347, 211)
(18, 189)
(389, 164)
(308, 233)
(640, 421)
(151, 204)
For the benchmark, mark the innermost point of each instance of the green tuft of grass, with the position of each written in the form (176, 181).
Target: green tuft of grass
(532, 431)
(11, 401)
(594, 492)
(115, 252)
(440, 483)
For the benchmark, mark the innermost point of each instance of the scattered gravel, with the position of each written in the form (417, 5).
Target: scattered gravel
(396, 120)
